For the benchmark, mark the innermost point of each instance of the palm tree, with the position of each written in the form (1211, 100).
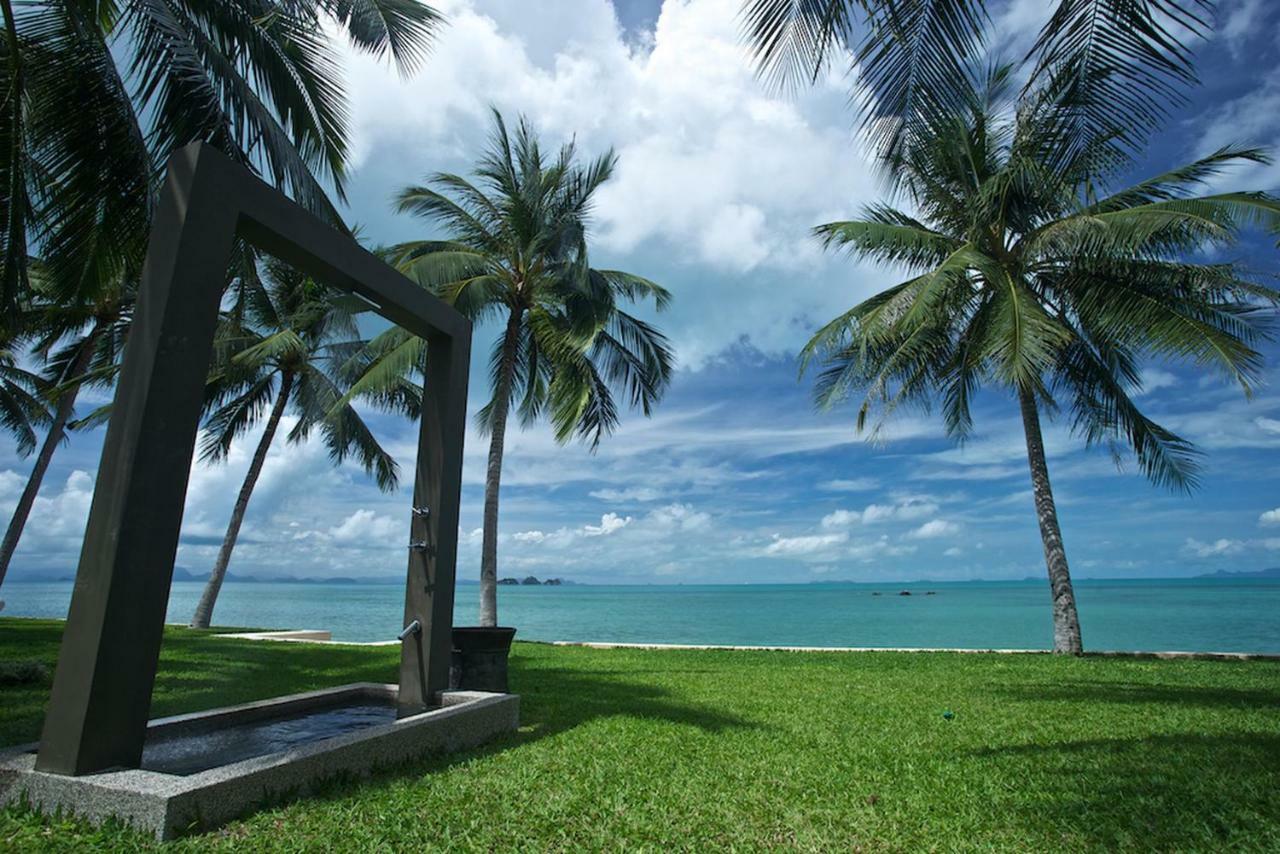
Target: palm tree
(517, 253)
(98, 94)
(1124, 60)
(80, 343)
(1025, 275)
(23, 408)
(287, 351)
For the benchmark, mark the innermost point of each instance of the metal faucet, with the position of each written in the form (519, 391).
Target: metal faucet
(414, 628)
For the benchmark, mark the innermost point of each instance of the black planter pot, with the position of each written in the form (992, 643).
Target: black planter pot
(480, 658)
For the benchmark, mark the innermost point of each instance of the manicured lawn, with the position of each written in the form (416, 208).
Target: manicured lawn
(749, 750)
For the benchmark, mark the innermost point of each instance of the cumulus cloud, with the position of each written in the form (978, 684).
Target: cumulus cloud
(680, 516)
(804, 545)
(933, 529)
(841, 518)
(368, 529)
(1270, 517)
(1218, 548)
(609, 523)
(717, 178)
(905, 510)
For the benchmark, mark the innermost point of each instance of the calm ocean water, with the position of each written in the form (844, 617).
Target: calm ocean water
(1185, 614)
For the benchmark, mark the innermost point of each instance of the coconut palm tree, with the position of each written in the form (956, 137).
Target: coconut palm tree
(517, 254)
(96, 96)
(286, 352)
(23, 408)
(1028, 275)
(80, 343)
(1126, 61)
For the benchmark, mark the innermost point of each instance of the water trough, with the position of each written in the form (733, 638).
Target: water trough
(202, 770)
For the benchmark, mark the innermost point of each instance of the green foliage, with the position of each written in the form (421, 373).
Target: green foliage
(23, 407)
(290, 326)
(517, 252)
(1121, 62)
(720, 750)
(1023, 277)
(98, 94)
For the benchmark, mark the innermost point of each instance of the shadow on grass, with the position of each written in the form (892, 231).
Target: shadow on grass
(1116, 692)
(1185, 791)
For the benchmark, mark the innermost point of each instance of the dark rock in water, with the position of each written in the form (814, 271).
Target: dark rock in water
(877, 593)
(531, 580)
(508, 581)
(905, 593)
(931, 593)
(553, 582)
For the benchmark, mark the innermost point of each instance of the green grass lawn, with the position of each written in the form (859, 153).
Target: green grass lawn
(749, 750)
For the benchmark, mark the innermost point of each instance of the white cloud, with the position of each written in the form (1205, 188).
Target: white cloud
(933, 529)
(857, 484)
(1270, 517)
(528, 536)
(841, 518)
(1218, 548)
(609, 523)
(679, 516)
(634, 493)
(906, 510)
(954, 551)
(369, 530)
(871, 550)
(1154, 379)
(1239, 22)
(804, 545)
(717, 178)
(1267, 425)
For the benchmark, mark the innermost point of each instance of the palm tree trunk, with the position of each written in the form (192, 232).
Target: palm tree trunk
(1066, 621)
(61, 415)
(493, 475)
(204, 610)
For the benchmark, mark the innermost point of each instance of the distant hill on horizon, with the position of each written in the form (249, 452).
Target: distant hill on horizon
(1270, 572)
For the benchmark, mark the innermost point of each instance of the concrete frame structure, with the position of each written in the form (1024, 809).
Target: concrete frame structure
(100, 702)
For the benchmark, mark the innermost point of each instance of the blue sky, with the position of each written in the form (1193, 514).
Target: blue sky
(735, 478)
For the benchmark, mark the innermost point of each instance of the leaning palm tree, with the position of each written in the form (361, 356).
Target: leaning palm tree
(1026, 276)
(80, 344)
(96, 96)
(23, 408)
(517, 254)
(286, 351)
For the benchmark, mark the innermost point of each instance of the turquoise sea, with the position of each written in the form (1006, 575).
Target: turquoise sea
(1226, 615)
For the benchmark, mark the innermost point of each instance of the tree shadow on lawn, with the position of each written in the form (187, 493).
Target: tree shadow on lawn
(552, 701)
(1161, 792)
(1217, 697)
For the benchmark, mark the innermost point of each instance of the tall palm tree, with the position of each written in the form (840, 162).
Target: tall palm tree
(286, 352)
(1027, 275)
(1125, 60)
(517, 254)
(97, 94)
(23, 408)
(80, 343)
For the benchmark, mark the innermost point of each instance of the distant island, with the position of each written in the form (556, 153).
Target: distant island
(1271, 572)
(531, 581)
